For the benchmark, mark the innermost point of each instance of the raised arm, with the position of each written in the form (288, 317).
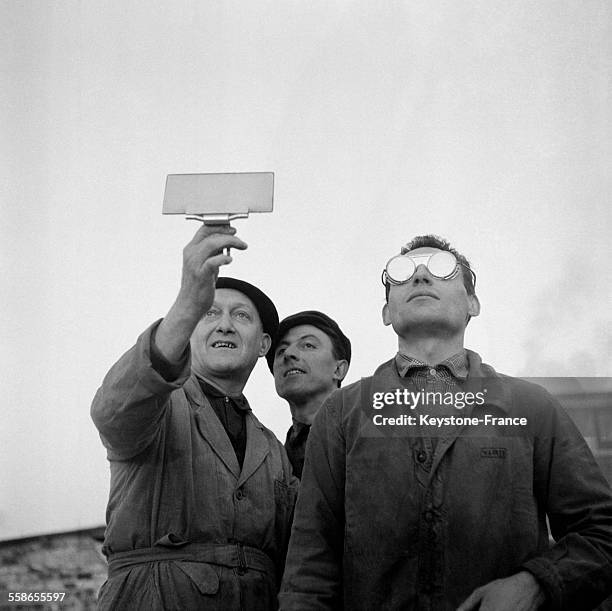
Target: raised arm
(129, 406)
(202, 258)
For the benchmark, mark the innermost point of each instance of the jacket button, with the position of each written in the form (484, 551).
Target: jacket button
(239, 494)
(421, 456)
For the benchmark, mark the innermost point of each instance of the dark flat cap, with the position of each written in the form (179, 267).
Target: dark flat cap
(265, 308)
(341, 343)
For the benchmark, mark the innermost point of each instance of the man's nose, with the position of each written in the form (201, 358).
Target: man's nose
(290, 352)
(422, 275)
(226, 325)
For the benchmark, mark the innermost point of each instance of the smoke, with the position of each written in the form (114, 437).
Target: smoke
(571, 331)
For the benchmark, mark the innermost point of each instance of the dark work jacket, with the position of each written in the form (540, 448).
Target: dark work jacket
(186, 527)
(387, 520)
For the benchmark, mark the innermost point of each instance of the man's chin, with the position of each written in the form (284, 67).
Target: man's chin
(291, 388)
(426, 324)
(225, 363)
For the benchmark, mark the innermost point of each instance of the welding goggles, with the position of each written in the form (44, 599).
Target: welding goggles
(441, 264)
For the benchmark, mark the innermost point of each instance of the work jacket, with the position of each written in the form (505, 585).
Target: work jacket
(390, 518)
(186, 527)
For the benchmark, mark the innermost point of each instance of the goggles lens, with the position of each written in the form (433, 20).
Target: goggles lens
(401, 268)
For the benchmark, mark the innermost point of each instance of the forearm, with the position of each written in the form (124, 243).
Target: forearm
(576, 571)
(174, 332)
(201, 260)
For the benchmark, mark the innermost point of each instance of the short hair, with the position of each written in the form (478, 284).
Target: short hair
(434, 241)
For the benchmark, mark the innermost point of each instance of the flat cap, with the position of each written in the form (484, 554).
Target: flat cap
(265, 308)
(341, 343)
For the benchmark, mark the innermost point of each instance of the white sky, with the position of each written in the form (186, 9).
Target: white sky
(486, 122)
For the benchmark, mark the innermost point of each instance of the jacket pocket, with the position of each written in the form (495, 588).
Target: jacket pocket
(284, 495)
(203, 576)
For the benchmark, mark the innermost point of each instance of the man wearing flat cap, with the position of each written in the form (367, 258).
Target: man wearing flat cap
(201, 492)
(309, 359)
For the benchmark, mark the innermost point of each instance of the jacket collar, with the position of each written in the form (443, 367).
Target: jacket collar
(484, 378)
(212, 430)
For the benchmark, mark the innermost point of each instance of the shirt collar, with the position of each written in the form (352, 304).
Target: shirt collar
(481, 377)
(457, 364)
(297, 430)
(210, 390)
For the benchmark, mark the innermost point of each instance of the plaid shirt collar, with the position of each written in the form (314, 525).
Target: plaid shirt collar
(457, 365)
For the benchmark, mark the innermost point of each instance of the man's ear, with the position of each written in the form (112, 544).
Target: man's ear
(385, 315)
(341, 370)
(473, 305)
(266, 342)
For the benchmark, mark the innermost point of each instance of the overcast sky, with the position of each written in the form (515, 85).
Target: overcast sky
(486, 122)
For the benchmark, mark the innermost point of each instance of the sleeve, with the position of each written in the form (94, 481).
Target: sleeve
(129, 406)
(575, 572)
(313, 573)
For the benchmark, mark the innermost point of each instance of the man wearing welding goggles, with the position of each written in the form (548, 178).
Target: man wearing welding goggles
(433, 503)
